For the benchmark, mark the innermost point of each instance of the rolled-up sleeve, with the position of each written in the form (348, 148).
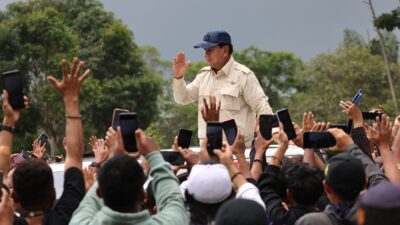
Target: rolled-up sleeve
(185, 94)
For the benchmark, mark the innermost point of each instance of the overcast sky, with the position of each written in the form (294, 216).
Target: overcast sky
(304, 27)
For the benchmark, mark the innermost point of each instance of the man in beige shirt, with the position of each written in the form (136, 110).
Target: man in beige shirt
(234, 85)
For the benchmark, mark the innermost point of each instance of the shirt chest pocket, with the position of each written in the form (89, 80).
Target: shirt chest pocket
(230, 97)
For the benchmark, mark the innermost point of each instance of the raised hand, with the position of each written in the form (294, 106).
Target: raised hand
(342, 139)
(308, 121)
(145, 143)
(115, 142)
(100, 151)
(180, 65)
(210, 112)
(11, 116)
(38, 149)
(70, 85)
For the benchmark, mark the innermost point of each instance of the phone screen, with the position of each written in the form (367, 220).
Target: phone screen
(214, 137)
(129, 124)
(267, 122)
(284, 118)
(371, 115)
(43, 138)
(230, 130)
(174, 158)
(320, 139)
(13, 85)
(184, 138)
(115, 118)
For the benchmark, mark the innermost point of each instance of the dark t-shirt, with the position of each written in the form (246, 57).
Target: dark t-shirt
(61, 213)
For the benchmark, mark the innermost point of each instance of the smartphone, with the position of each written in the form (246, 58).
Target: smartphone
(214, 137)
(339, 126)
(27, 155)
(267, 122)
(357, 97)
(230, 130)
(115, 117)
(371, 115)
(284, 118)
(318, 139)
(43, 138)
(129, 124)
(174, 158)
(13, 85)
(184, 138)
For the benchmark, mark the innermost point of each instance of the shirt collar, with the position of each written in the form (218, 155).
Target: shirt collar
(227, 67)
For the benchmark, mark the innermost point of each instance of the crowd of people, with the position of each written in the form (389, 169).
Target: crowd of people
(356, 184)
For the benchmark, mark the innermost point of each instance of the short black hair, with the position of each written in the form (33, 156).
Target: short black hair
(121, 180)
(304, 181)
(229, 45)
(33, 184)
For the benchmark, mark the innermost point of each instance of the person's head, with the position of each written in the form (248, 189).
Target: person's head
(344, 178)
(207, 187)
(241, 211)
(217, 47)
(33, 186)
(380, 204)
(304, 183)
(121, 181)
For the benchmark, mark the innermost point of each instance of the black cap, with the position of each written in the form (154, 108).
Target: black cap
(344, 172)
(214, 38)
(241, 211)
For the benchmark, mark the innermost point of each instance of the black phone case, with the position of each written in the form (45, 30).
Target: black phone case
(13, 84)
(320, 139)
(184, 138)
(214, 137)
(267, 122)
(129, 124)
(284, 118)
(230, 130)
(371, 115)
(174, 158)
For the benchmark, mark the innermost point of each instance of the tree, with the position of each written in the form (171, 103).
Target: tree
(37, 34)
(336, 76)
(276, 72)
(352, 37)
(388, 21)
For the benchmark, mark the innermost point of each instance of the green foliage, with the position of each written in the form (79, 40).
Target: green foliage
(276, 72)
(337, 76)
(34, 37)
(352, 37)
(391, 46)
(388, 21)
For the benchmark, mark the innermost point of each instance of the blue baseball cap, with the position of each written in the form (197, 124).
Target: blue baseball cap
(213, 38)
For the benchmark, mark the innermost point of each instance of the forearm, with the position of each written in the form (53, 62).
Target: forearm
(396, 147)
(319, 163)
(6, 137)
(257, 167)
(243, 166)
(373, 173)
(360, 139)
(238, 179)
(389, 164)
(73, 133)
(308, 156)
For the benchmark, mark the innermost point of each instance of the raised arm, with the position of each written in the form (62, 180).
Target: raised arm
(10, 118)
(69, 87)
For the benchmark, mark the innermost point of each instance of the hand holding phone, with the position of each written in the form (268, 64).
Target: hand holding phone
(230, 130)
(13, 85)
(43, 138)
(284, 118)
(371, 115)
(129, 124)
(214, 137)
(184, 138)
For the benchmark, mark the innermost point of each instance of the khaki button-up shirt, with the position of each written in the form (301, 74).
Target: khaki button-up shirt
(238, 89)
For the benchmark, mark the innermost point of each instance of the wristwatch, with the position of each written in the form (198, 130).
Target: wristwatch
(7, 128)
